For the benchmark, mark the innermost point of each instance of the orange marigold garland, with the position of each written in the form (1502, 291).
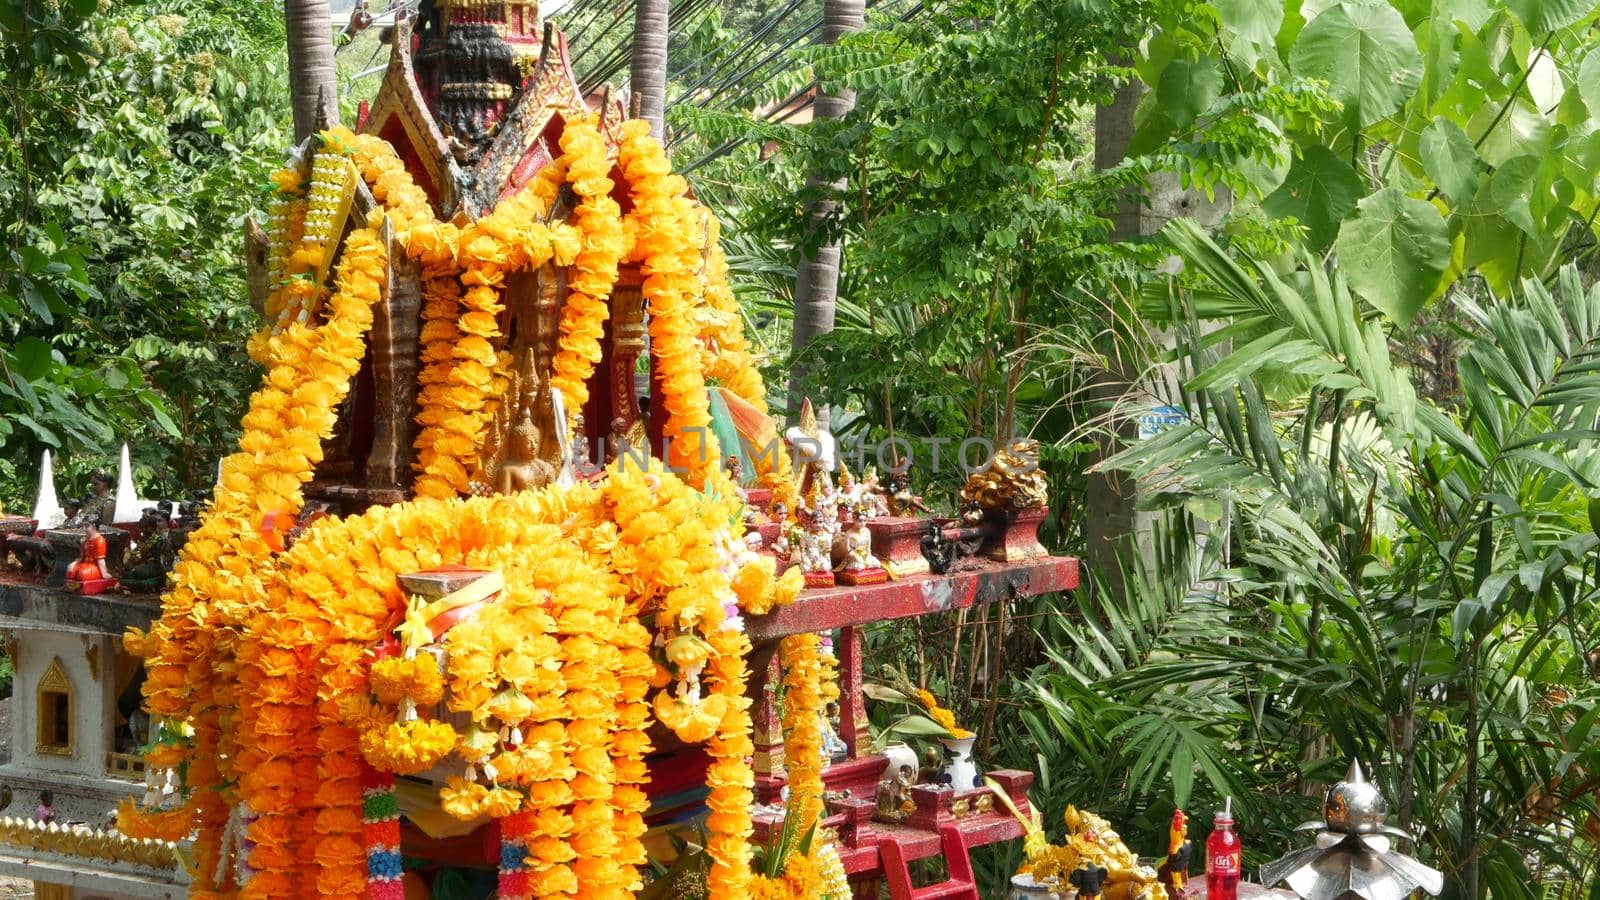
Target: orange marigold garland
(724, 349)
(595, 270)
(557, 753)
(510, 239)
(218, 581)
(666, 243)
(802, 726)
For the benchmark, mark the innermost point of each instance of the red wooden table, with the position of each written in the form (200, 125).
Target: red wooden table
(847, 608)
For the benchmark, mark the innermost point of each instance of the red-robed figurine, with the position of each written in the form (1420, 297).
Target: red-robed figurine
(89, 574)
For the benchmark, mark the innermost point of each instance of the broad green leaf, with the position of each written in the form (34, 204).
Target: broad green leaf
(917, 725)
(153, 403)
(1588, 82)
(1296, 14)
(1448, 158)
(1250, 28)
(1520, 132)
(1393, 251)
(1188, 88)
(1367, 56)
(1319, 191)
(1182, 774)
(1541, 17)
(1511, 189)
(31, 359)
(1544, 83)
(1492, 241)
(885, 694)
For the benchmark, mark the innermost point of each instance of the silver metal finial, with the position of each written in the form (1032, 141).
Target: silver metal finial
(1352, 856)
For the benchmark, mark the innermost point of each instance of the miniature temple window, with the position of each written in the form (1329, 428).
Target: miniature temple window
(54, 712)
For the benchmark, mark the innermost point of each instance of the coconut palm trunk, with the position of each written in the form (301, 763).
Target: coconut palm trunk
(313, 82)
(817, 277)
(648, 78)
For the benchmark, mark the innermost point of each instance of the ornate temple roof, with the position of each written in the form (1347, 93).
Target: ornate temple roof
(474, 98)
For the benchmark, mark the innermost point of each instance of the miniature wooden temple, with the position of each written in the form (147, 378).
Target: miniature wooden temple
(550, 342)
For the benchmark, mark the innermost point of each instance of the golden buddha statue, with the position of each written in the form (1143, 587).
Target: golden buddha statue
(521, 467)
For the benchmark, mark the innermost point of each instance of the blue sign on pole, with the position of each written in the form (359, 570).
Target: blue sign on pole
(1160, 418)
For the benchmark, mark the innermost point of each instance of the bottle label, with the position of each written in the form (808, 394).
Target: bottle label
(1225, 863)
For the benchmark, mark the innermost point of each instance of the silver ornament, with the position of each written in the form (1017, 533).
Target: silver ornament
(1352, 855)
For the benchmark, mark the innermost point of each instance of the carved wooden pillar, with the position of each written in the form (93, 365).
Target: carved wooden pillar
(768, 724)
(394, 352)
(853, 728)
(627, 342)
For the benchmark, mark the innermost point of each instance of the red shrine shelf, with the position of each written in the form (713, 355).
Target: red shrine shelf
(853, 781)
(842, 606)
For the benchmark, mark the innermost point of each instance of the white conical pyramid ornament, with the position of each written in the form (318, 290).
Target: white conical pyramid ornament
(129, 506)
(46, 509)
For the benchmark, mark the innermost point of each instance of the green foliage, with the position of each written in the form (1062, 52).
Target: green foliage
(986, 214)
(1407, 585)
(137, 137)
(1483, 111)
(1396, 248)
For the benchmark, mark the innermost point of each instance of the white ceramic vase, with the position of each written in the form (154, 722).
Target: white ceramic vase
(958, 762)
(900, 754)
(1026, 887)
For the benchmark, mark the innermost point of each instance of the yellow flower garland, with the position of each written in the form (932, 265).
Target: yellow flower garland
(600, 219)
(802, 726)
(459, 394)
(586, 567)
(336, 576)
(725, 352)
(666, 244)
(217, 582)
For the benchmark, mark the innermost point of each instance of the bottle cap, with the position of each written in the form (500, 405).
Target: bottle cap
(1225, 814)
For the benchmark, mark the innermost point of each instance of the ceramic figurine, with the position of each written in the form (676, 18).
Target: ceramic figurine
(100, 504)
(72, 510)
(894, 795)
(825, 501)
(814, 551)
(874, 502)
(153, 557)
(813, 448)
(1089, 879)
(833, 746)
(617, 440)
(582, 461)
(89, 574)
(1174, 870)
(938, 551)
(860, 566)
(971, 513)
(901, 501)
(849, 490)
(1352, 855)
(781, 544)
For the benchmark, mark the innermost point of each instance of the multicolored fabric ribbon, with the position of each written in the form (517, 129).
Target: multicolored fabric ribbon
(380, 826)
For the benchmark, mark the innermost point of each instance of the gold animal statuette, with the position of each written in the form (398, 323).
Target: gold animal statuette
(1013, 479)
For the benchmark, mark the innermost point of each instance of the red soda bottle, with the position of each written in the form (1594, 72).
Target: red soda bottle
(1223, 857)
